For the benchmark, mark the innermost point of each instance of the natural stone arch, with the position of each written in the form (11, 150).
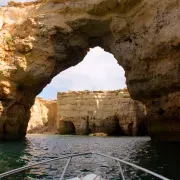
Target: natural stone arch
(41, 39)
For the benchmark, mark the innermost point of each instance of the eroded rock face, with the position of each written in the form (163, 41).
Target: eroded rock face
(39, 40)
(163, 117)
(109, 112)
(43, 117)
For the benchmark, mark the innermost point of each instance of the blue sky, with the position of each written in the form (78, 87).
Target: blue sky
(98, 71)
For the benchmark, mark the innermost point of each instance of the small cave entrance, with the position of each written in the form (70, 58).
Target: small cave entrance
(117, 129)
(70, 128)
(142, 129)
(130, 128)
(87, 129)
(66, 128)
(93, 128)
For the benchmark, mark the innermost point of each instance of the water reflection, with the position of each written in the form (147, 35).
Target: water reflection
(12, 154)
(161, 158)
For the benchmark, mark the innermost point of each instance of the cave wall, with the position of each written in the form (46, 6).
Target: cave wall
(108, 112)
(164, 117)
(43, 117)
(40, 39)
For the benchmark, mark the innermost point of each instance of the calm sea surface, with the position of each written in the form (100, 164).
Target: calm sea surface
(161, 158)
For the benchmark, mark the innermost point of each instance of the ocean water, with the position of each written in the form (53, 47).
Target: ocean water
(161, 158)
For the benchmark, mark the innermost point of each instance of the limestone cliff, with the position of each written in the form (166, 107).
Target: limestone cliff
(109, 112)
(43, 117)
(39, 40)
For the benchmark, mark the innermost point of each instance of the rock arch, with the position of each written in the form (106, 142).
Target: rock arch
(39, 40)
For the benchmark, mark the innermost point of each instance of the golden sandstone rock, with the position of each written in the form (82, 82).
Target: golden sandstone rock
(100, 112)
(43, 117)
(40, 39)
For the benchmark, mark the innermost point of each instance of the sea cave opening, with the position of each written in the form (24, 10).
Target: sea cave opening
(98, 77)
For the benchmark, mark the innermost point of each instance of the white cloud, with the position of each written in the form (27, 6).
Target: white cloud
(98, 71)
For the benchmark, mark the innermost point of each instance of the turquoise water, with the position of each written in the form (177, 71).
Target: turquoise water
(161, 158)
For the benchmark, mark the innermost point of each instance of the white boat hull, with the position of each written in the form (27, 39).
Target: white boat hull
(88, 177)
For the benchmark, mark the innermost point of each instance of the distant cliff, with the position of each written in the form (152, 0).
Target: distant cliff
(109, 112)
(43, 117)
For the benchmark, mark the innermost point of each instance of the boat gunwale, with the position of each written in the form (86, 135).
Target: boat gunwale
(5, 174)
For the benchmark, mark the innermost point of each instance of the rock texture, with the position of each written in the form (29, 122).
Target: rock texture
(163, 117)
(38, 40)
(43, 117)
(109, 112)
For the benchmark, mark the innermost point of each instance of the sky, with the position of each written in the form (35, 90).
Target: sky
(98, 71)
